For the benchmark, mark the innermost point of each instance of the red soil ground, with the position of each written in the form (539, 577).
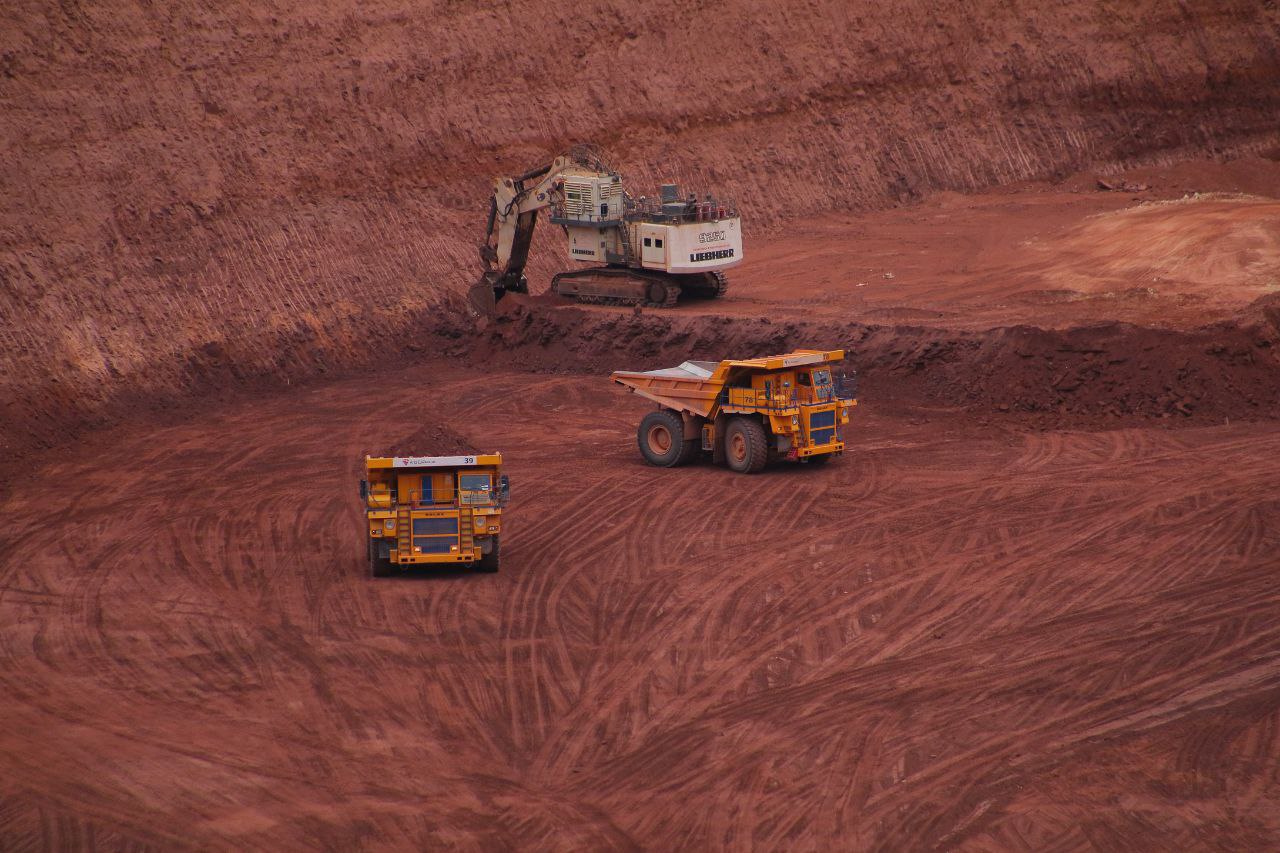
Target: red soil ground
(1033, 257)
(957, 635)
(1034, 606)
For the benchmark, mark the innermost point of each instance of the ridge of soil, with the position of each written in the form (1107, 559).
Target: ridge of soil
(1084, 377)
(1093, 376)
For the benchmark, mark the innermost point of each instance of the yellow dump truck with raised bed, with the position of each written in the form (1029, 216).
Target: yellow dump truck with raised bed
(433, 511)
(744, 412)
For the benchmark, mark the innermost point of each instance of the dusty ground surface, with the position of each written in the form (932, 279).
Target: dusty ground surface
(977, 262)
(957, 635)
(1033, 607)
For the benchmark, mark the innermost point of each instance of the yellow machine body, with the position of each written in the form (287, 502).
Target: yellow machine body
(794, 396)
(433, 509)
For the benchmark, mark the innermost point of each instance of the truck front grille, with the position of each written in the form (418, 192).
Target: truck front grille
(434, 526)
(818, 420)
(435, 544)
(822, 436)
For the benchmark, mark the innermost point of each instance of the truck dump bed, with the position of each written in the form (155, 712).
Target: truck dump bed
(693, 386)
(690, 387)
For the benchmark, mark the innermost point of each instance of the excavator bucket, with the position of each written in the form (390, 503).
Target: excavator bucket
(482, 298)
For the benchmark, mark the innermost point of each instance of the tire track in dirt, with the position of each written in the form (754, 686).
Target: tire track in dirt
(782, 701)
(891, 650)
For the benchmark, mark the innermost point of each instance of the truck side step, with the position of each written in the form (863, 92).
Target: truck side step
(404, 531)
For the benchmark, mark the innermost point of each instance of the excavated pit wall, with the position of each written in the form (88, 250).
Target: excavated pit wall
(1084, 377)
(210, 196)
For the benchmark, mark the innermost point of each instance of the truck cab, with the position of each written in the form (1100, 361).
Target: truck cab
(433, 510)
(799, 406)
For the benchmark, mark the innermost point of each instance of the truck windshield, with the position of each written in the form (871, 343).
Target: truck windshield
(474, 482)
(822, 377)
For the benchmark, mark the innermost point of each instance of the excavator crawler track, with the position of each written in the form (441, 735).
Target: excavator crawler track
(708, 285)
(721, 283)
(620, 286)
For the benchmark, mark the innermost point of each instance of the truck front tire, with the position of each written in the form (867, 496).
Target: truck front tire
(661, 439)
(379, 567)
(489, 562)
(746, 446)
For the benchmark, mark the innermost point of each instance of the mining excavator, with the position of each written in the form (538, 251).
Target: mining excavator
(644, 251)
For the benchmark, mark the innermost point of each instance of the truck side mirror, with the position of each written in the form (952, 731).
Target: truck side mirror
(848, 385)
(364, 490)
(504, 489)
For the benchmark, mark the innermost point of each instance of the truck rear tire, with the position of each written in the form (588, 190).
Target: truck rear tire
(489, 562)
(746, 446)
(379, 567)
(661, 439)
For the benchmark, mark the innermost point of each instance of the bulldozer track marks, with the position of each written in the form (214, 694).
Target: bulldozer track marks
(923, 644)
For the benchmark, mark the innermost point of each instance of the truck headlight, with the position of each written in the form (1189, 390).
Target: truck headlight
(389, 523)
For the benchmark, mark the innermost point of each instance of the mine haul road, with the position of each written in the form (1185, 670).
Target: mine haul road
(958, 634)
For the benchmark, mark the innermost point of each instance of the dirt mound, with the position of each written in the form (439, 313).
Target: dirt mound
(429, 440)
(1085, 377)
(1111, 371)
(1253, 175)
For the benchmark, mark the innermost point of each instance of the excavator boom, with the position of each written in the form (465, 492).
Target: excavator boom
(513, 216)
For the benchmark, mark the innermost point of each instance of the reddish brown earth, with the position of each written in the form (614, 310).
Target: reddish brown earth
(1033, 607)
(426, 440)
(263, 193)
(1198, 245)
(957, 635)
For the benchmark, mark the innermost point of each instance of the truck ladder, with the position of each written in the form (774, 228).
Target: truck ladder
(465, 529)
(404, 531)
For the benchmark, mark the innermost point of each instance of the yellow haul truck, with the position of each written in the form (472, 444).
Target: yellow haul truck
(744, 412)
(434, 510)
